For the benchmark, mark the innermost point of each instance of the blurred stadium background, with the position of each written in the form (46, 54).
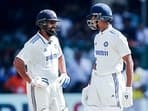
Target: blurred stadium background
(17, 25)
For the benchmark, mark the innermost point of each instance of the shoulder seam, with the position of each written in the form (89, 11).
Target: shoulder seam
(34, 39)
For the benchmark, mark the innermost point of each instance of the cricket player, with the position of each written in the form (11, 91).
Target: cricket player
(40, 62)
(108, 90)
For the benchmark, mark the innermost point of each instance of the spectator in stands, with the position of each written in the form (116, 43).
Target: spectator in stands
(15, 84)
(79, 71)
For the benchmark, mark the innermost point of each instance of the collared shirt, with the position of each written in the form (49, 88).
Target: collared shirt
(41, 56)
(109, 48)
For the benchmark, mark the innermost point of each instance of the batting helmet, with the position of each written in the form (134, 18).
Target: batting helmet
(44, 17)
(101, 11)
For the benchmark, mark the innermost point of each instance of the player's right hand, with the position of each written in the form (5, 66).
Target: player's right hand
(128, 97)
(40, 82)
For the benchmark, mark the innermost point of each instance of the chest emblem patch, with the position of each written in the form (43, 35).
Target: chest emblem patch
(105, 44)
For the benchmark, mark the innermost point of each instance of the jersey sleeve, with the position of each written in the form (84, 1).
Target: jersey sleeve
(122, 46)
(25, 53)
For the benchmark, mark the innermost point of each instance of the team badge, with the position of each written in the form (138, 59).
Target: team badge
(105, 44)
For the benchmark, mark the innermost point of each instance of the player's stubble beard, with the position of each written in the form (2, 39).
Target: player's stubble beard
(47, 33)
(50, 31)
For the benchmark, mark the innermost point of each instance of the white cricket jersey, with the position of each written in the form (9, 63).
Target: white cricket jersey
(109, 48)
(41, 57)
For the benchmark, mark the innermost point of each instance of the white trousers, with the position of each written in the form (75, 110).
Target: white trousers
(46, 99)
(104, 93)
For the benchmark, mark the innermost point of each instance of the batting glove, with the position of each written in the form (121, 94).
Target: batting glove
(40, 82)
(128, 97)
(64, 80)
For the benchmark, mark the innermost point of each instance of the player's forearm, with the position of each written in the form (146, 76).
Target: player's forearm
(129, 70)
(62, 66)
(20, 67)
(129, 74)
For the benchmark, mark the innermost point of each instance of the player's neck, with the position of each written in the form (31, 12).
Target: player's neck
(104, 27)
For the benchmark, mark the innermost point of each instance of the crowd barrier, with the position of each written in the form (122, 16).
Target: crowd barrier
(18, 102)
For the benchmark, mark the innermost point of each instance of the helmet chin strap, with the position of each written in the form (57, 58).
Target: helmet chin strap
(97, 27)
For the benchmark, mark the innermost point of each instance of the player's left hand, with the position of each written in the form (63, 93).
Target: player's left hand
(128, 97)
(64, 80)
